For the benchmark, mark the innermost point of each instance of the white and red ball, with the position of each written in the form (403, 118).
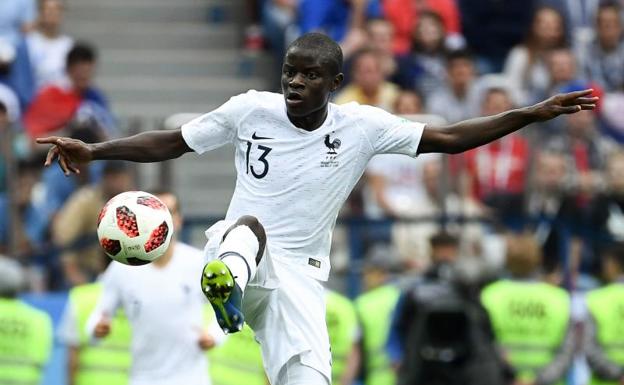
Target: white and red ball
(134, 228)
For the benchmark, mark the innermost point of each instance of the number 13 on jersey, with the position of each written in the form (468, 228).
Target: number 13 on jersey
(262, 159)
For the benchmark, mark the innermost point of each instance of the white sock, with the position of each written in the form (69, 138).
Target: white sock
(240, 242)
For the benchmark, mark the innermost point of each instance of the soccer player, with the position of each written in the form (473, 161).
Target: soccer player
(165, 311)
(297, 158)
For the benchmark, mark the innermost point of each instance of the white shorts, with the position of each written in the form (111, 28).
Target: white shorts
(286, 309)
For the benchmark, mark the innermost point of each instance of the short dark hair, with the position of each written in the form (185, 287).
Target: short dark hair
(328, 50)
(606, 5)
(443, 238)
(3, 108)
(81, 52)
(459, 54)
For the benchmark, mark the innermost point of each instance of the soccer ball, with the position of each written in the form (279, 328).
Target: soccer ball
(134, 228)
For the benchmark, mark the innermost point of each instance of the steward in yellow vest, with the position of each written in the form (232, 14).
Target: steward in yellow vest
(104, 363)
(530, 319)
(342, 327)
(237, 361)
(374, 310)
(25, 332)
(604, 331)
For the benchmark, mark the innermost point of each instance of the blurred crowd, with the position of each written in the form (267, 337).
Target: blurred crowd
(47, 88)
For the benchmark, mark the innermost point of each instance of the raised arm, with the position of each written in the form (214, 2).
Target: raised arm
(468, 134)
(150, 146)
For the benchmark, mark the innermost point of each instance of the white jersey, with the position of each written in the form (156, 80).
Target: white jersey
(164, 306)
(295, 181)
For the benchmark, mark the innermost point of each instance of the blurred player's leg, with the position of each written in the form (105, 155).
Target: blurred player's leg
(224, 279)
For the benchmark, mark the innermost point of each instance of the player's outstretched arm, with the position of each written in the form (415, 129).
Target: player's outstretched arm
(150, 146)
(462, 136)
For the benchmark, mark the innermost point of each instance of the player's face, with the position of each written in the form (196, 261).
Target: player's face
(306, 82)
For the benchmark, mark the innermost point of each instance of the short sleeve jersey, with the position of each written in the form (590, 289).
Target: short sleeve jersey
(295, 181)
(161, 305)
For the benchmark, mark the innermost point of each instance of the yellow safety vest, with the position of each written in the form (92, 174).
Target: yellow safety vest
(530, 320)
(237, 361)
(107, 362)
(375, 309)
(342, 326)
(606, 305)
(25, 342)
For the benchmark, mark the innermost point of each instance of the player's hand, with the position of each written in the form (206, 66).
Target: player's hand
(206, 341)
(103, 328)
(68, 151)
(564, 104)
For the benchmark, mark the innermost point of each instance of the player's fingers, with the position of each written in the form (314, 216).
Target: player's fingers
(569, 109)
(63, 163)
(578, 94)
(52, 153)
(47, 140)
(588, 106)
(592, 100)
(72, 168)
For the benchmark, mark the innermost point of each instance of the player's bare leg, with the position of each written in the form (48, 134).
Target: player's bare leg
(225, 278)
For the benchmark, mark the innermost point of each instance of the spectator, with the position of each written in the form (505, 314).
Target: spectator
(603, 338)
(8, 98)
(439, 335)
(17, 17)
(278, 16)
(74, 226)
(496, 172)
(606, 213)
(550, 209)
(603, 58)
(343, 21)
(380, 34)
(47, 46)
(408, 103)
(586, 150)
(531, 319)
(30, 231)
(424, 68)
(526, 63)
(368, 85)
(26, 333)
(407, 201)
(57, 104)
(493, 27)
(458, 99)
(343, 330)
(374, 309)
(563, 75)
(15, 71)
(405, 15)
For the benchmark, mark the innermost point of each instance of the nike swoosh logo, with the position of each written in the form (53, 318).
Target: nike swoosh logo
(254, 136)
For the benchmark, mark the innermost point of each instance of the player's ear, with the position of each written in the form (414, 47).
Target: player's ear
(337, 81)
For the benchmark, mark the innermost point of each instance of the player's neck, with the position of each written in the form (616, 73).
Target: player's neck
(312, 121)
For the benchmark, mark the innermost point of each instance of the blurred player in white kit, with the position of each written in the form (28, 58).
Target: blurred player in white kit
(165, 310)
(297, 159)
